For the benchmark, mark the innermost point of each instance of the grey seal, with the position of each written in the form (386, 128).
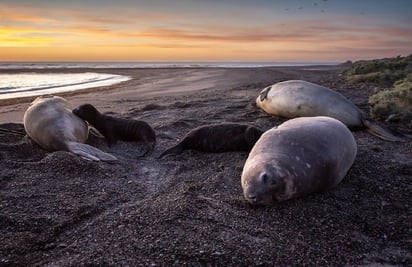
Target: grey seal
(299, 157)
(218, 138)
(114, 129)
(50, 123)
(297, 98)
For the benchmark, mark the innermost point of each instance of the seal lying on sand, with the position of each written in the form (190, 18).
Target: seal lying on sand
(299, 157)
(297, 98)
(50, 123)
(115, 129)
(218, 138)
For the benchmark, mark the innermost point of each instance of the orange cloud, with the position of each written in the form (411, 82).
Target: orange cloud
(81, 35)
(204, 35)
(11, 16)
(106, 17)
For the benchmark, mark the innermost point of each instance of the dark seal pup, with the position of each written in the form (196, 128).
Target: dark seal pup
(296, 98)
(299, 157)
(218, 138)
(50, 123)
(115, 129)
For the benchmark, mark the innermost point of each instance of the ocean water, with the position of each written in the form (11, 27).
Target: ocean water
(29, 83)
(103, 65)
(34, 84)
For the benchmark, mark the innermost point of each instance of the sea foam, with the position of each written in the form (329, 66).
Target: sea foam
(34, 84)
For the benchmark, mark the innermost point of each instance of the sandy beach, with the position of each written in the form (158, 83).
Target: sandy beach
(57, 209)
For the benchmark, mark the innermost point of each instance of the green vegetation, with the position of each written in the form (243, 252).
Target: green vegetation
(382, 72)
(396, 102)
(394, 77)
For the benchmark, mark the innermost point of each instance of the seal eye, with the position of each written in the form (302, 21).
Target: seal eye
(266, 179)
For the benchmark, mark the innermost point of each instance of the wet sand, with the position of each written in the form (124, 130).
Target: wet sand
(57, 209)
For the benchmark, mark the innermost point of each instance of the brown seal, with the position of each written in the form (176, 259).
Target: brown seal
(296, 98)
(301, 156)
(218, 138)
(115, 129)
(50, 123)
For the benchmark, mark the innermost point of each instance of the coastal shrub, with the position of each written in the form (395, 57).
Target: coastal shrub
(396, 102)
(394, 75)
(382, 78)
(382, 72)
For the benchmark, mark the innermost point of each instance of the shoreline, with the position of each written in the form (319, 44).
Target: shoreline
(51, 83)
(152, 82)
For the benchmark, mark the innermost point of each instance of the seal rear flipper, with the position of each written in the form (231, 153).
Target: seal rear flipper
(89, 152)
(173, 150)
(252, 134)
(384, 132)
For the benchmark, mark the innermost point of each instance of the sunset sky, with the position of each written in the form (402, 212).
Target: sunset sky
(204, 30)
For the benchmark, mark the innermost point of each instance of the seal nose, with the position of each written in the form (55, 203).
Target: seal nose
(252, 198)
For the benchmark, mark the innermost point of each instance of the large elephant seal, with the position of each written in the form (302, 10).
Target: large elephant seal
(115, 129)
(296, 98)
(301, 156)
(218, 138)
(50, 123)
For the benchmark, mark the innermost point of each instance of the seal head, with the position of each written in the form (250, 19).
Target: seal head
(261, 190)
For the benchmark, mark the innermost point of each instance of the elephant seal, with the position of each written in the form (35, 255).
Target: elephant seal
(114, 129)
(50, 123)
(296, 98)
(299, 157)
(218, 138)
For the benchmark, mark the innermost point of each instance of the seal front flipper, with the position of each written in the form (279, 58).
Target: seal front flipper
(95, 132)
(89, 152)
(264, 93)
(148, 148)
(173, 150)
(384, 132)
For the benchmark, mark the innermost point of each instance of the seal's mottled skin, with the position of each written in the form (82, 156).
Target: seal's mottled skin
(301, 156)
(115, 129)
(296, 98)
(50, 123)
(217, 138)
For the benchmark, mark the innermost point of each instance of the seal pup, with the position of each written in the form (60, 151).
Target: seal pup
(50, 123)
(114, 129)
(296, 98)
(299, 157)
(218, 138)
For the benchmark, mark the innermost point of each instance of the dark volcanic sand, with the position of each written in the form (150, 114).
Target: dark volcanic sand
(57, 209)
